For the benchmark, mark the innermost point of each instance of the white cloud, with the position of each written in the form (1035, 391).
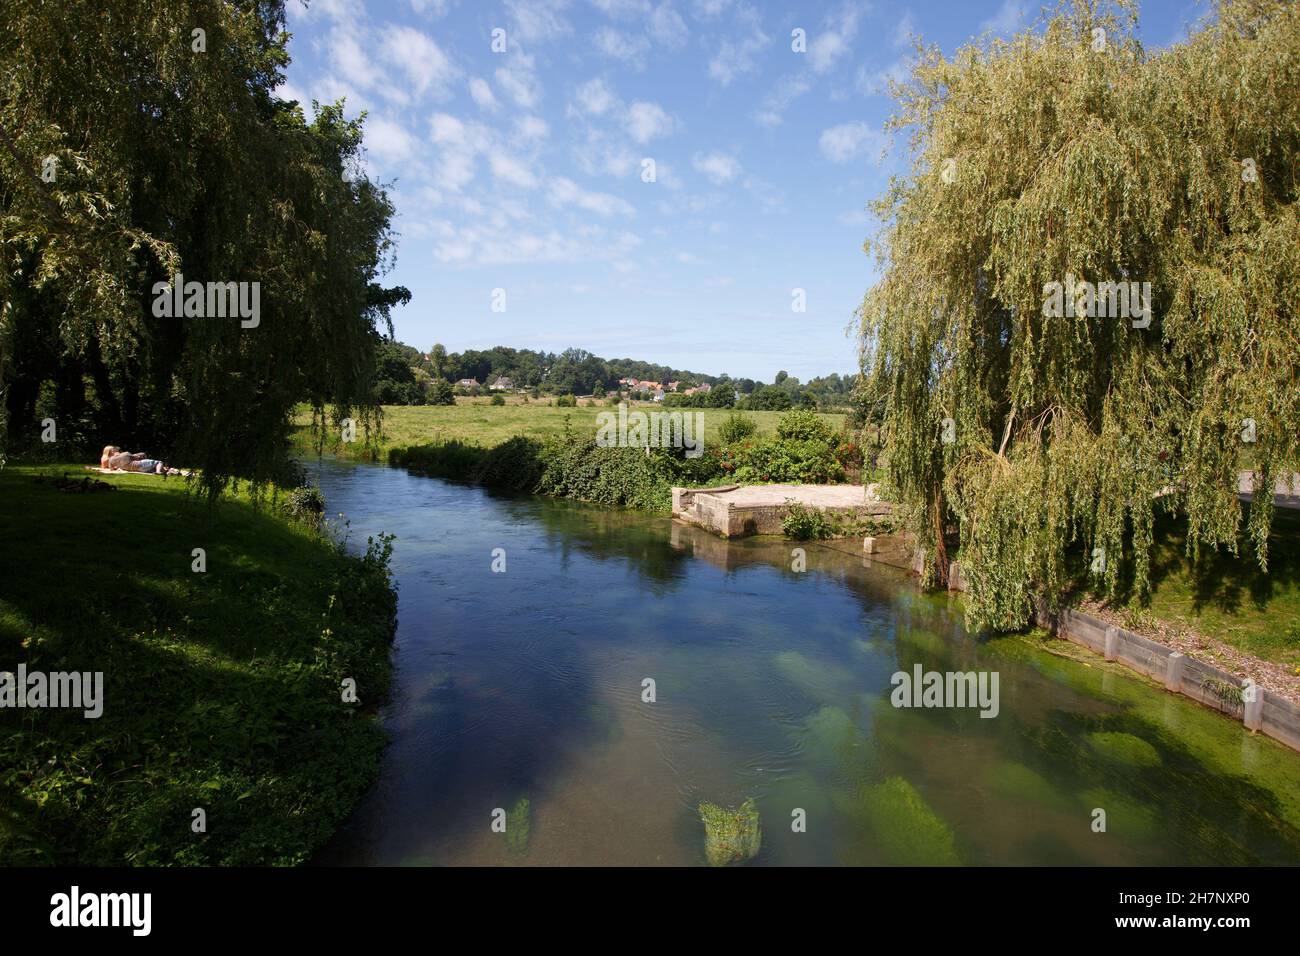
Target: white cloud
(736, 57)
(594, 97)
(645, 121)
(519, 82)
(511, 170)
(772, 110)
(458, 144)
(616, 45)
(718, 167)
(482, 94)
(389, 140)
(350, 62)
(842, 143)
(531, 127)
(835, 39)
(491, 243)
(1009, 17)
(417, 56)
(537, 21)
(667, 27)
(565, 192)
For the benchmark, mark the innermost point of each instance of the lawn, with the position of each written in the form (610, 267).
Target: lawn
(1228, 597)
(221, 687)
(476, 422)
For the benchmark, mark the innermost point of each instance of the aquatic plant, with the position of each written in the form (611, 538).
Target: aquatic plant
(518, 827)
(905, 828)
(731, 835)
(1124, 749)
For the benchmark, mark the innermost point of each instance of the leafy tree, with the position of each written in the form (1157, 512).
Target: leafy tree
(165, 160)
(438, 360)
(766, 398)
(441, 393)
(1051, 439)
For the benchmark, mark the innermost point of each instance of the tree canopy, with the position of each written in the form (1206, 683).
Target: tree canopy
(142, 140)
(1070, 154)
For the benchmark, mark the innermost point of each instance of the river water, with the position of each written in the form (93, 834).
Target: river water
(771, 683)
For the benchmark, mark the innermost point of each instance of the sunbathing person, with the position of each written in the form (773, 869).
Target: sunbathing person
(114, 458)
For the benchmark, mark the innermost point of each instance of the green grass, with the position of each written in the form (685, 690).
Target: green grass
(222, 689)
(1228, 597)
(475, 422)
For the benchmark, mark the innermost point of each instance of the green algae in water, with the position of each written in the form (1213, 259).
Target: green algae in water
(1124, 749)
(820, 680)
(731, 835)
(904, 827)
(518, 827)
(830, 736)
(1017, 782)
(1126, 816)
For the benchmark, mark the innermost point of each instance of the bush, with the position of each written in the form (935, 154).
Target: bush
(566, 401)
(803, 425)
(514, 465)
(497, 399)
(736, 427)
(440, 393)
(306, 504)
(617, 477)
(779, 459)
(808, 524)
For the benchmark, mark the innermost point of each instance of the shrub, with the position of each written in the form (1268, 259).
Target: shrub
(566, 401)
(779, 459)
(808, 524)
(441, 393)
(736, 427)
(306, 504)
(497, 399)
(804, 425)
(618, 477)
(513, 465)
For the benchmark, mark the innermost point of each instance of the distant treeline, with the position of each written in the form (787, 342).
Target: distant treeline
(407, 376)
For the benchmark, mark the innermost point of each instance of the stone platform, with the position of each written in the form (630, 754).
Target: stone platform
(734, 511)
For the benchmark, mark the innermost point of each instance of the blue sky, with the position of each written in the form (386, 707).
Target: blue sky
(524, 170)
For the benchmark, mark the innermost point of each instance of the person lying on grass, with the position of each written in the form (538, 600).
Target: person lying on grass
(114, 458)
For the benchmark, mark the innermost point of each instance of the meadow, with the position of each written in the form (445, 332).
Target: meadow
(475, 421)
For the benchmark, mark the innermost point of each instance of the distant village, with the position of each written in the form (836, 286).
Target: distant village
(645, 389)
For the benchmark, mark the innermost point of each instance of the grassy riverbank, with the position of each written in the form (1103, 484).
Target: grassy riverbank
(1226, 597)
(221, 688)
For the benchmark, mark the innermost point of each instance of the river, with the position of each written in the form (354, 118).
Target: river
(530, 683)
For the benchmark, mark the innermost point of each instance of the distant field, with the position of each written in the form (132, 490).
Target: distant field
(474, 421)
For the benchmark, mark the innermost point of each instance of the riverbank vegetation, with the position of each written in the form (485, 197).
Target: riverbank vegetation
(1046, 442)
(222, 686)
(802, 447)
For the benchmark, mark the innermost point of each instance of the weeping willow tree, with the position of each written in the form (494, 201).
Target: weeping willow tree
(1030, 405)
(140, 139)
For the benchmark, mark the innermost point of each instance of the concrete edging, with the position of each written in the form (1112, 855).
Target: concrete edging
(1259, 710)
